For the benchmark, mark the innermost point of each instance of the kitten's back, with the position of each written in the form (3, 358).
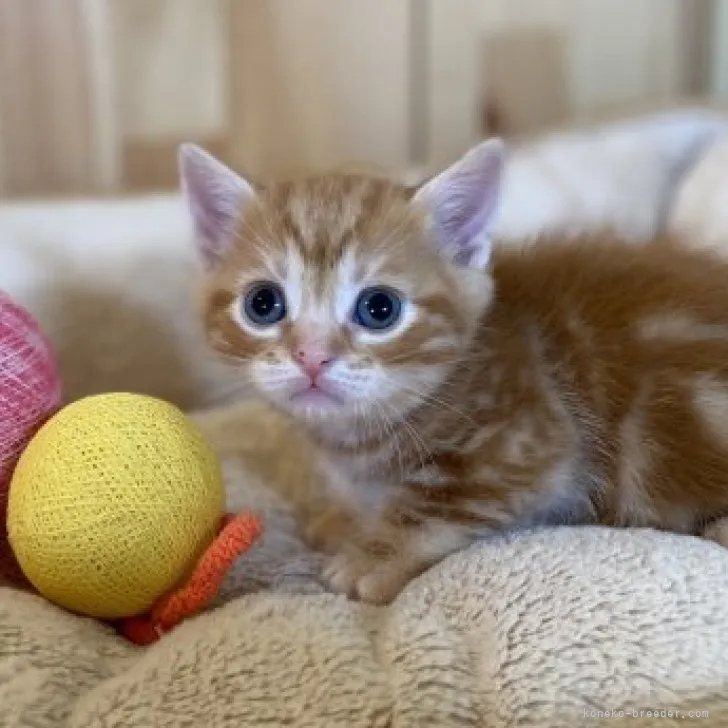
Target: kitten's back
(633, 342)
(612, 282)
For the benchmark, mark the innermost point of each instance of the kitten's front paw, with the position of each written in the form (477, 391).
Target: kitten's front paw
(363, 576)
(344, 570)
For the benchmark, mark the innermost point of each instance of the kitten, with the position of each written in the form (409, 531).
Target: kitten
(456, 389)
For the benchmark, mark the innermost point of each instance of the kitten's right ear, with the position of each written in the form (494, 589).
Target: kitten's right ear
(215, 196)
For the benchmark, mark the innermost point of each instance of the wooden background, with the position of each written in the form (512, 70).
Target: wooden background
(95, 95)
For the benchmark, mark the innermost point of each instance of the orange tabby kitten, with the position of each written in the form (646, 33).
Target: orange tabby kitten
(457, 389)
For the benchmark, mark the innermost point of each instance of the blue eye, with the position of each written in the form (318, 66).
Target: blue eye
(377, 308)
(265, 304)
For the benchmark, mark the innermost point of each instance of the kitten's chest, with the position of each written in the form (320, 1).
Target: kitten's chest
(365, 480)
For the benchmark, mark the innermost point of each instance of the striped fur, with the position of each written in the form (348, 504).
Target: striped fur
(573, 381)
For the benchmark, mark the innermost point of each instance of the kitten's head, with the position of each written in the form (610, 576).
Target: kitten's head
(345, 300)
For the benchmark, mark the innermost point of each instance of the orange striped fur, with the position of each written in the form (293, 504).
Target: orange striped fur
(574, 381)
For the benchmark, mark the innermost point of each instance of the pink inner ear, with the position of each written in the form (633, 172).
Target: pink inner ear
(464, 200)
(215, 196)
(212, 226)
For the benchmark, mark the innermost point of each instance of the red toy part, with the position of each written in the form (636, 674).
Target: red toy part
(237, 535)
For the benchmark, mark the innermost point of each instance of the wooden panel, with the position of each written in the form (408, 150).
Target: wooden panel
(454, 74)
(697, 19)
(527, 78)
(95, 94)
(596, 53)
(172, 57)
(102, 90)
(719, 56)
(151, 164)
(623, 51)
(44, 101)
(4, 139)
(317, 84)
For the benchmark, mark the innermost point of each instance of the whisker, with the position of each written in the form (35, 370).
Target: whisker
(391, 432)
(415, 438)
(438, 401)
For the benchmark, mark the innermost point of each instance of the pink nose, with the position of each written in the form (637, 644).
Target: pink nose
(313, 361)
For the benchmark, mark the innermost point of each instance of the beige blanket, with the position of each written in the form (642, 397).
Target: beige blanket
(564, 627)
(546, 630)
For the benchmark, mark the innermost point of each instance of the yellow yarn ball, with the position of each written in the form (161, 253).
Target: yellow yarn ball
(112, 503)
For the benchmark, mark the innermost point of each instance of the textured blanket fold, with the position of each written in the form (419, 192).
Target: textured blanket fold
(564, 627)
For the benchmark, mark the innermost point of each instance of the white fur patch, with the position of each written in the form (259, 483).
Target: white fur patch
(347, 287)
(294, 282)
(678, 327)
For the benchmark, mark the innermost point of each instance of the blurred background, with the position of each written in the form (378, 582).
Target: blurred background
(95, 95)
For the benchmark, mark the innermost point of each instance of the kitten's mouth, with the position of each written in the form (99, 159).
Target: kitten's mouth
(315, 396)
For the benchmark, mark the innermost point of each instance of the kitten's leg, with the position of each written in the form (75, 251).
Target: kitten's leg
(377, 567)
(717, 531)
(329, 529)
(418, 527)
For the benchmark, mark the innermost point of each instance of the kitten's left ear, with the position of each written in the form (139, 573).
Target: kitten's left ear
(462, 202)
(215, 196)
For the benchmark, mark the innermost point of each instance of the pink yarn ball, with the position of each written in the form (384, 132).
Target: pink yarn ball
(30, 391)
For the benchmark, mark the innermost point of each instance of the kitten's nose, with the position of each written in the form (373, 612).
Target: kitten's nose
(313, 360)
